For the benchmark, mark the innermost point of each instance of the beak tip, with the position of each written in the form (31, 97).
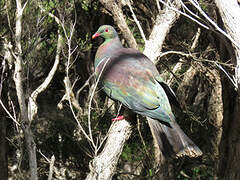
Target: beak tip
(95, 35)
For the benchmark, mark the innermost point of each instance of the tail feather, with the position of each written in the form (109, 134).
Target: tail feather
(172, 141)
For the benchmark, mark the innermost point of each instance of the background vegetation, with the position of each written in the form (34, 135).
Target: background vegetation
(64, 28)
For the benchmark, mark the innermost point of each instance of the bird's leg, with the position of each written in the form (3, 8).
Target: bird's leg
(118, 118)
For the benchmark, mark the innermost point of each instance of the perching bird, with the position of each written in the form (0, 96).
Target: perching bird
(130, 77)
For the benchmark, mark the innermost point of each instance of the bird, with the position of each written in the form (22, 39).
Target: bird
(130, 77)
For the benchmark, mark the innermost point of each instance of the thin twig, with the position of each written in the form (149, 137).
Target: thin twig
(196, 38)
(197, 6)
(158, 6)
(185, 14)
(51, 167)
(174, 52)
(70, 52)
(234, 82)
(85, 84)
(136, 21)
(9, 114)
(91, 98)
(188, 10)
(45, 157)
(141, 137)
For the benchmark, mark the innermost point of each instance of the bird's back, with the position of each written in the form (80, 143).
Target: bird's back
(130, 77)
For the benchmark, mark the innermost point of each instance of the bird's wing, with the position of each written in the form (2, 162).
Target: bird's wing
(129, 78)
(168, 90)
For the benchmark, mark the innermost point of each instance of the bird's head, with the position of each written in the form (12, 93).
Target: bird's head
(105, 31)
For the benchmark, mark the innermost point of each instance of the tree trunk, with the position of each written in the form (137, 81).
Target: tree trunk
(202, 89)
(230, 142)
(3, 121)
(18, 78)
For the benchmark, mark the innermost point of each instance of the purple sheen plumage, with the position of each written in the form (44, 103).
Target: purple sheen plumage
(131, 78)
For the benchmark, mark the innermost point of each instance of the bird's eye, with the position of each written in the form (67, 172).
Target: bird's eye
(106, 30)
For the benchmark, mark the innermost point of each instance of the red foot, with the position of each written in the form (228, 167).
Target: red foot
(118, 118)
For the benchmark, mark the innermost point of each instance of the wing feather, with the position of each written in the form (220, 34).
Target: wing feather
(131, 80)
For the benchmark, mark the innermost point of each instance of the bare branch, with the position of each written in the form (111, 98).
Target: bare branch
(184, 14)
(9, 114)
(90, 102)
(104, 165)
(136, 21)
(174, 52)
(69, 94)
(197, 6)
(68, 87)
(32, 108)
(51, 167)
(163, 23)
(158, 6)
(233, 80)
(76, 118)
(68, 90)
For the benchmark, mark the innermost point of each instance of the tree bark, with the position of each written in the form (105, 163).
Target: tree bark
(230, 142)
(201, 87)
(3, 121)
(164, 21)
(104, 165)
(18, 78)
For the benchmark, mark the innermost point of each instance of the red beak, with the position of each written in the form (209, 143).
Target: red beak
(95, 35)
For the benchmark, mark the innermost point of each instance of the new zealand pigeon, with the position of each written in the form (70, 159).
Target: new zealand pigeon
(130, 77)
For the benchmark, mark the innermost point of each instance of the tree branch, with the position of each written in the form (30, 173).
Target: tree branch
(163, 23)
(32, 107)
(103, 166)
(231, 22)
(136, 21)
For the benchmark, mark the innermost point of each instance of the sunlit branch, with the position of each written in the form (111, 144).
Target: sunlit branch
(136, 21)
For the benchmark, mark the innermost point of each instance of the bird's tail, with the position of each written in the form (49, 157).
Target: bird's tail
(172, 141)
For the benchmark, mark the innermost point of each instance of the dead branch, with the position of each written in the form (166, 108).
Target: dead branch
(234, 12)
(192, 15)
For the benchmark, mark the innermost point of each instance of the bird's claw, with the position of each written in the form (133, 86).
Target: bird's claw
(118, 118)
